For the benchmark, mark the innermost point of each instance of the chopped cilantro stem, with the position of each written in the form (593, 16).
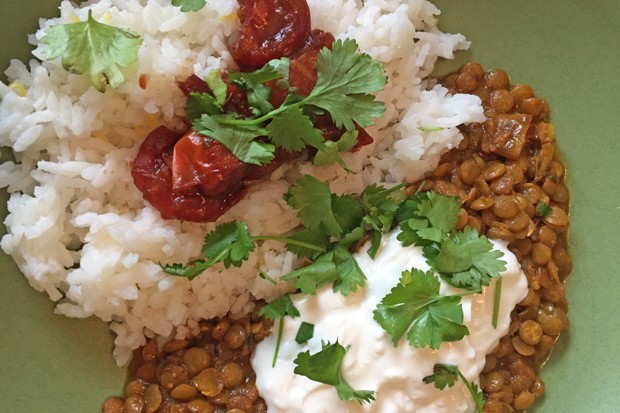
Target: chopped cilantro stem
(262, 274)
(394, 189)
(447, 375)
(278, 341)
(290, 241)
(496, 300)
(474, 393)
(420, 186)
(262, 119)
(305, 332)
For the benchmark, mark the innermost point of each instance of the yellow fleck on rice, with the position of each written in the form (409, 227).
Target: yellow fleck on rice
(101, 135)
(228, 17)
(18, 89)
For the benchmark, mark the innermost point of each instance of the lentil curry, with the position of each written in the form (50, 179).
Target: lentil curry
(511, 186)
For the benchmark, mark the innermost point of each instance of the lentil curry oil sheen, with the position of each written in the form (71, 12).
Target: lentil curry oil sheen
(506, 175)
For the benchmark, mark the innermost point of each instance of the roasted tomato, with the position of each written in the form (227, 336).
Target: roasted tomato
(191, 177)
(152, 174)
(270, 29)
(199, 162)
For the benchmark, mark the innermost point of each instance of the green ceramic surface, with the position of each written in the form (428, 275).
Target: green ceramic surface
(569, 51)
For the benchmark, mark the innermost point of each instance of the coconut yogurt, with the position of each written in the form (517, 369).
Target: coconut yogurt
(372, 362)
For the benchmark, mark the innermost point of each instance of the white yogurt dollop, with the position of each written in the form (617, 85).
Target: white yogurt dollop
(372, 362)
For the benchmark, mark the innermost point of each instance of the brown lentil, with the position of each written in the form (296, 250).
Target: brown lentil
(112, 405)
(515, 170)
(210, 373)
(530, 332)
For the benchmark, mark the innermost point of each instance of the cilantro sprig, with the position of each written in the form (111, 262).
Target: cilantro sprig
(416, 305)
(446, 375)
(277, 310)
(98, 49)
(344, 89)
(230, 244)
(467, 260)
(325, 367)
(464, 259)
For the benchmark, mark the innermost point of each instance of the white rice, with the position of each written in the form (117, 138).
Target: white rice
(79, 229)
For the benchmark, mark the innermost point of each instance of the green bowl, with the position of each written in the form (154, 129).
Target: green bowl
(568, 51)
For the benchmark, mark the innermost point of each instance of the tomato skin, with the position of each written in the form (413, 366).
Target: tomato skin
(152, 174)
(270, 29)
(193, 84)
(198, 161)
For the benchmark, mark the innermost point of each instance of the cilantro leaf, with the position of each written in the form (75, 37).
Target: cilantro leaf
(253, 83)
(292, 130)
(278, 308)
(345, 81)
(347, 211)
(409, 232)
(313, 202)
(229, 243)
(329, 152)
(189, 5)
(336, 266)
(375, 243)
(218, 86)
(325, 367)
(237, 139)
(477, 395)
(446, 375)
(441, 211)
(198, 104)
(416, 305)
(315, 236)
(188, 271)
(322, 271)
(350, 275)
(427, 217)
(94, 48)
(466, 260)
(380, 206)
(352, 237)
(543, 210)
(211, 103)
(305, 332)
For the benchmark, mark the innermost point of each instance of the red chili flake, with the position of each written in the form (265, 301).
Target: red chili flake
(143, 81)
